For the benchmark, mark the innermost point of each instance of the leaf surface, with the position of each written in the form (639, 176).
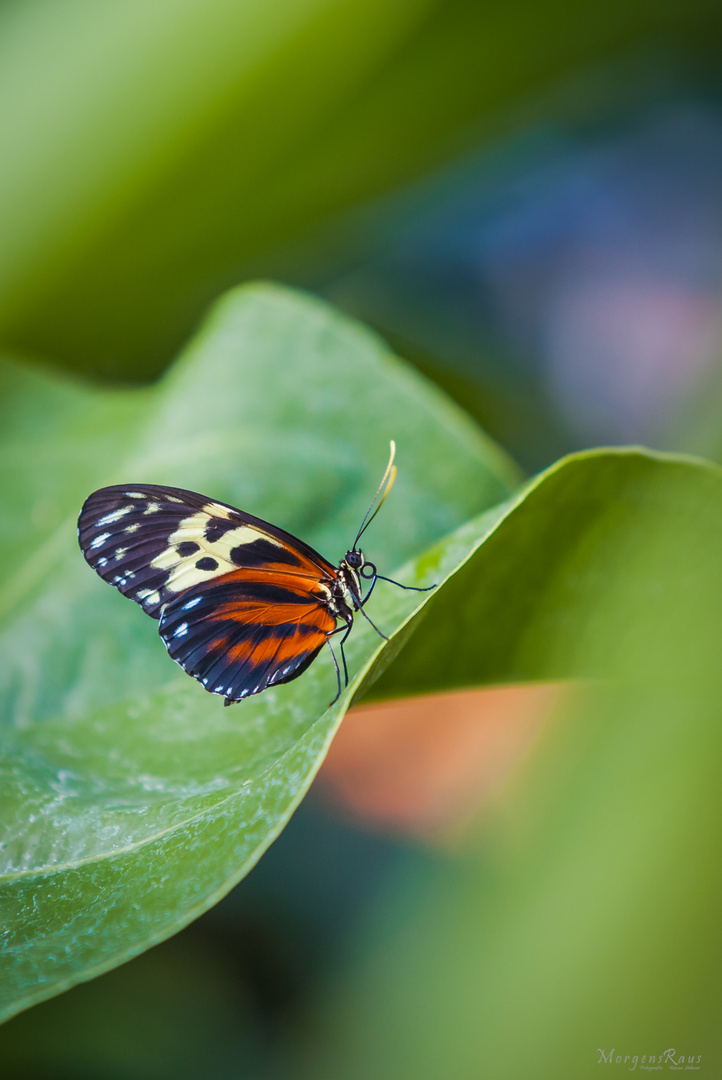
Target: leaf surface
(130, 799)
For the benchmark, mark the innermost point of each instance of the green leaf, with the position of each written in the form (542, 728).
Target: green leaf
(583, 912)
(130, 799)
(532, 595)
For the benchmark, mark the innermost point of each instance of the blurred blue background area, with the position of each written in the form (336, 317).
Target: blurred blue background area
(575, 270)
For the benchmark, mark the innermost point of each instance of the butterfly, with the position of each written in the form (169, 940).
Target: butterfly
(241, 604)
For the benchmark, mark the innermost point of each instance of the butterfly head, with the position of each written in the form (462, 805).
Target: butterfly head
(359, 566)
(350, 571)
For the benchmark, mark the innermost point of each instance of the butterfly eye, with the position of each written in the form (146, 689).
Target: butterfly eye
(354, 559)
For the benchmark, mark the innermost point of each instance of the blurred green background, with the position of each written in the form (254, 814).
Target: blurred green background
(524, 199)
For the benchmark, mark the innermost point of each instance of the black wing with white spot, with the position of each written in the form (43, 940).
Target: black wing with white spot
(154, 542)
(248, 630)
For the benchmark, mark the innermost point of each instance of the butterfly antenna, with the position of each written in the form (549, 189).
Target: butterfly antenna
(387, 482)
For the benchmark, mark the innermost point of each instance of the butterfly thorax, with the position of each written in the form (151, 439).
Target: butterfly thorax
(346, 590)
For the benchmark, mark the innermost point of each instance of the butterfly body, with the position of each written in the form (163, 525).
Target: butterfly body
(242, 605)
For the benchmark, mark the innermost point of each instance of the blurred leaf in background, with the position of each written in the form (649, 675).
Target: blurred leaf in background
(154, 151)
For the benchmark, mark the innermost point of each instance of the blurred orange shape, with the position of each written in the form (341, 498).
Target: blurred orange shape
(426, 765)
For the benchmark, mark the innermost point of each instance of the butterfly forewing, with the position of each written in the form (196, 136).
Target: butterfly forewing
(154, 543)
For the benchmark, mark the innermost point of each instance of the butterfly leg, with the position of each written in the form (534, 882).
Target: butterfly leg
(376, 577)
(340, 629)
(413, 588)
(338, 671)
(373, 576)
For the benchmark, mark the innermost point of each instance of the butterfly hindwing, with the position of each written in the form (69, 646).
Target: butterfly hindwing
(154, 543)
(246, 630)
